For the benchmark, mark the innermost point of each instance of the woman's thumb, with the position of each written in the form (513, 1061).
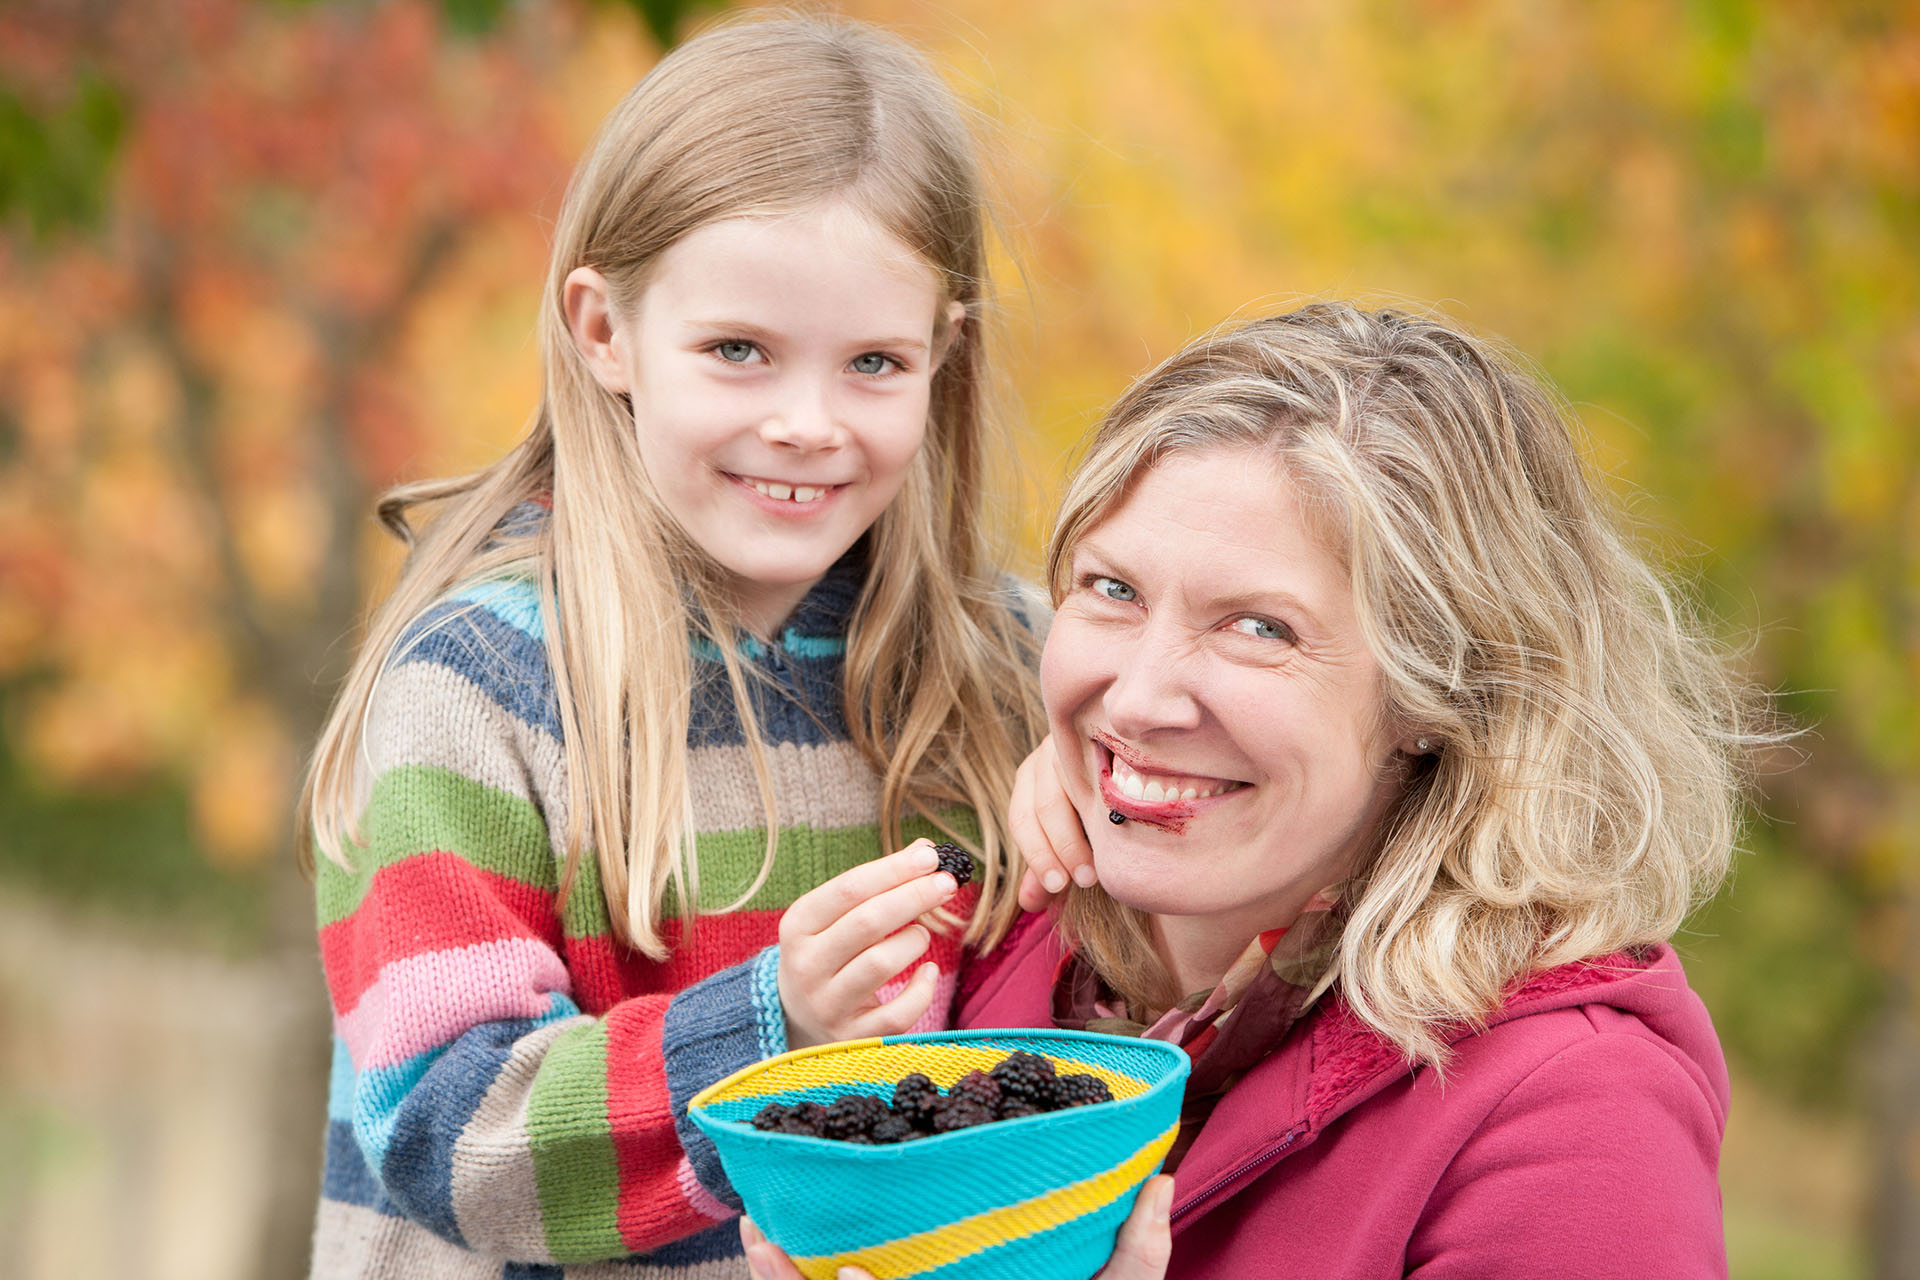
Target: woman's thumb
(1146, 1239)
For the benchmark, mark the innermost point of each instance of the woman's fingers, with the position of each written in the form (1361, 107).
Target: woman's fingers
(766, 1262)
(1146, 1240)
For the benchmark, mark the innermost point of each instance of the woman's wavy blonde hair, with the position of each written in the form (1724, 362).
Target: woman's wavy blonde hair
(752, 118)
(1590, 740)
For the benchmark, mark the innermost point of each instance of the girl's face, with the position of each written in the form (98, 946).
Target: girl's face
(1206, 677)
(780, 371)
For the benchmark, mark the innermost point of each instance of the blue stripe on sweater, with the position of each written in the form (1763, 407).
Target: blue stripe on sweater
(408, 1118)
(711, 1030)
(504, 662)
(513, 600)
(348, 1180)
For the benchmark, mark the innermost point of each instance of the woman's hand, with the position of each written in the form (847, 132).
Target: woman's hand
(1140, 1253)
(1046, 828)
(842, 941)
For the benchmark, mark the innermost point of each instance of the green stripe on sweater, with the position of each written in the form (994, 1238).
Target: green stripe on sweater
(574, 1163)
(729, 861)
(417, 809)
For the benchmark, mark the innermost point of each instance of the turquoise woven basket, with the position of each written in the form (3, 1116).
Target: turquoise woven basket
(1036, 1198)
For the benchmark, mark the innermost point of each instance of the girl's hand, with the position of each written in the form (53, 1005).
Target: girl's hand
(840, 942)
(1140, 1253)
(1046, 828)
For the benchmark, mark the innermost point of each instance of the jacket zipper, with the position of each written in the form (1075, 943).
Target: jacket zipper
(1227, 1179)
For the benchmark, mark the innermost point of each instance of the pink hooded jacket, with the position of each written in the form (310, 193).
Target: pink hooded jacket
(1578, 1135)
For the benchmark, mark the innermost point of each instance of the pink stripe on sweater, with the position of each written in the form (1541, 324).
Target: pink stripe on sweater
(939, 1014)
(425, 1001)
(702, 1200)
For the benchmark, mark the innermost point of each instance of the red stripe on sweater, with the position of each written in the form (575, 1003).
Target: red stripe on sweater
(651, 1208)
(604, 973)
(431, 902)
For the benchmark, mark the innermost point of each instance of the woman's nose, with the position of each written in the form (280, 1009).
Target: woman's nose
(803, 419)
(1152, 688)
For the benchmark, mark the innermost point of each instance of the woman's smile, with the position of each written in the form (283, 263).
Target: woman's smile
(1136, 787)
(1209, 663)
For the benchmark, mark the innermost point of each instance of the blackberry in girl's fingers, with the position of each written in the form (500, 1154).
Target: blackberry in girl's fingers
(954, 861)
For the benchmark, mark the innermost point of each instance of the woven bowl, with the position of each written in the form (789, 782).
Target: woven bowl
(1036, 1198)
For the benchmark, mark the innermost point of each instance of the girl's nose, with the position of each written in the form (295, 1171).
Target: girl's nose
(803, 420)
(1151, 689)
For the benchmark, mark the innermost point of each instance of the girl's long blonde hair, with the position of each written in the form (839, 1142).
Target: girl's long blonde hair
(749, 119)
(1591, 739)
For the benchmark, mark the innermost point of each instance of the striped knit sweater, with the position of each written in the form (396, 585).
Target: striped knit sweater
(509, 1084)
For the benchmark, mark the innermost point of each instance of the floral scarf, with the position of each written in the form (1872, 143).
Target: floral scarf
(1227, 1030)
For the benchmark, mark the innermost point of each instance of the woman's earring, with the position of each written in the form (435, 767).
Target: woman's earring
(1424, 744)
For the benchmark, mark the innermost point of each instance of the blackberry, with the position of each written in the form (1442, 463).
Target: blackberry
(804, 1118)
(914, 1100)
(852, 1118)
(1027, 1077)
(976, 1086)
(892, 1129)
(961, 1113)
(1080, 1091)
(954, 861)
(1012, 1108)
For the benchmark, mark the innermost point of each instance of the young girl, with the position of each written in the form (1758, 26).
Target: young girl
(722, 627)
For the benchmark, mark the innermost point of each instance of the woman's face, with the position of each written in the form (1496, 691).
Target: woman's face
(1206, 678)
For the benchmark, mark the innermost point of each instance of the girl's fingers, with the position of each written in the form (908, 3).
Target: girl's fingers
(1146, 1240)
(905, 1009)
(884, 916)
(817, 909)
(1060, 820)
(1033, 894)
(1046, 828)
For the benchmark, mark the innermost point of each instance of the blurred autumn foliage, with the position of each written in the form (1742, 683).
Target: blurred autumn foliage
(262, 259)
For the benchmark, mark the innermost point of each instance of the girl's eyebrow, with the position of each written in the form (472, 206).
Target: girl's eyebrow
(760, 333)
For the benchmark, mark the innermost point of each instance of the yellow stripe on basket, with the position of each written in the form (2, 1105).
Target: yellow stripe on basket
(873, 1061)
(910, 1255)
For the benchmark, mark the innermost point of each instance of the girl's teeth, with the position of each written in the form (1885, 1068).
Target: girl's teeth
(788, 492)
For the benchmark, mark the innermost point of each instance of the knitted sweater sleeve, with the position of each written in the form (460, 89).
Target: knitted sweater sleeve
(483, 1102)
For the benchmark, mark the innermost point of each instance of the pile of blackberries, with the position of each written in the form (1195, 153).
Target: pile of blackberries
(1021, 1084)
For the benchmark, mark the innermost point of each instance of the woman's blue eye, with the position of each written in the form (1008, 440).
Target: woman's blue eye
(735, 352)
(1260, 627)
(872, 362)
(1113, 588)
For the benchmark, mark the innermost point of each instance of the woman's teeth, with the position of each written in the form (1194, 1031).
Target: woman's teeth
(788, 492)
(1157, 787)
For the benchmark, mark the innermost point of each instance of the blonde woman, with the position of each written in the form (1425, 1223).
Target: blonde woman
(723, 625)
(1396, 767)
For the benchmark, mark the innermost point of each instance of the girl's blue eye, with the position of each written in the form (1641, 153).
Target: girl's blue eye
(872, 362)
(735, 352)
(1113, 589)
(1262, 628)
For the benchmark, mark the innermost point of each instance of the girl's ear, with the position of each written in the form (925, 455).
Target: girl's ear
(946, 336)
(588, 302)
